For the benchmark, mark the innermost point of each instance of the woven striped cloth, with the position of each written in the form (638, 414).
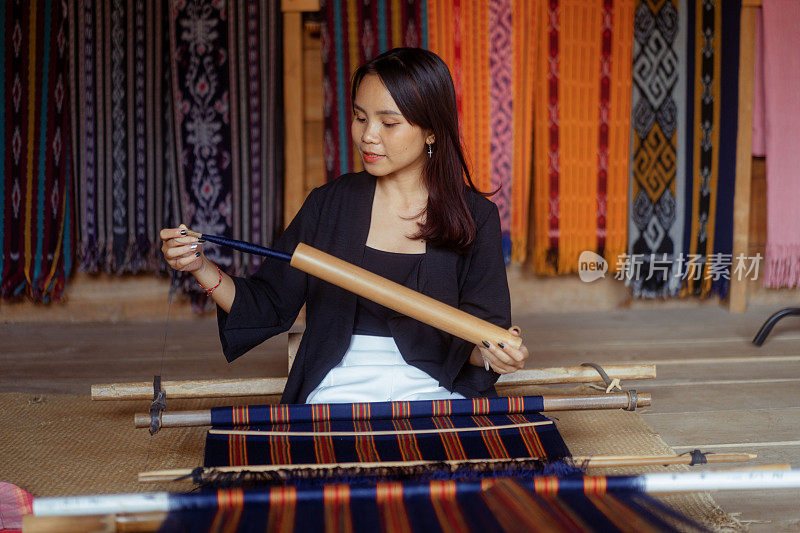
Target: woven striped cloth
(515, 428)
(436, 500)
(776, 108)
(505, 504)
(37, 237)
(581, 131)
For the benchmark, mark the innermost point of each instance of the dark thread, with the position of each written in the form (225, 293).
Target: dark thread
(698, 457)
(317, 477)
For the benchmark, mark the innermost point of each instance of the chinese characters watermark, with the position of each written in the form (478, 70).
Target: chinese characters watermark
(714, 267)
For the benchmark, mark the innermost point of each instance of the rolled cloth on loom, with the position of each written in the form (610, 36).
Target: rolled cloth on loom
(781, 78)
(504, 505)
(530, 438)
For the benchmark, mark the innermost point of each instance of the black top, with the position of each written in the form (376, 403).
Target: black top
(372, 318)
(335, 218)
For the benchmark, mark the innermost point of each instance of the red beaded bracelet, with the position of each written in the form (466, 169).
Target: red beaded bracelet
(209, 291)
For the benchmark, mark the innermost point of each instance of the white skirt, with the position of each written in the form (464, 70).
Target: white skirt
(373, 370)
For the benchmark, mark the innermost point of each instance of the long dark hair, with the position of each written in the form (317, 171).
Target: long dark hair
(420, 83)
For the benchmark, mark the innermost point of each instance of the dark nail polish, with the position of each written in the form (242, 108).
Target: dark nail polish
(183, 232)
(197, 254)
(201, 240)
(500, 344)
(486, 344)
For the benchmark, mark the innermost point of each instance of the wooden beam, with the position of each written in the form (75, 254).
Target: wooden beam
(221, 388)
(294, 176)
(744, 155)
(615, 400)
(133, 522)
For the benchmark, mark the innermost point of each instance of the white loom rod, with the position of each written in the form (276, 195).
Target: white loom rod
(102, 504)
(653, 484)
(740, 479)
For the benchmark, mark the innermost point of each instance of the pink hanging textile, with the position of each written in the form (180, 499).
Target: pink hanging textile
(778, 112)
(14, 503)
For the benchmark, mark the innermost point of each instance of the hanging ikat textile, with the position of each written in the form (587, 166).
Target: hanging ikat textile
(715, 27)
(36, 228)
(226, 81)
(353, 33)
(581, 131)
(124, 142)
(178, 114)
(683, 148)
(658, 149)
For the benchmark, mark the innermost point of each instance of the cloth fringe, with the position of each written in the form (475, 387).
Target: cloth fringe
(782, 268)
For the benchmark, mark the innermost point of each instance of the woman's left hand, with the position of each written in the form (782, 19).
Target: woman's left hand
(502, 358)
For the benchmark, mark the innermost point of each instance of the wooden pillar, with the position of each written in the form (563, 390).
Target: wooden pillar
(293, 104)
(744, 151)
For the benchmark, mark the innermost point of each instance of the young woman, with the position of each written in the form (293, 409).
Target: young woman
(410, 217)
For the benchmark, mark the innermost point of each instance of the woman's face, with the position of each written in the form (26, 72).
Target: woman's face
(388, 143)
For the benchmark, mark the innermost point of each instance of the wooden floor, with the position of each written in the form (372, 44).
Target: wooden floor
(715, 390)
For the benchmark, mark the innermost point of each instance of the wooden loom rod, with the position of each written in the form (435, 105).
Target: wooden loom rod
(598, 461)
(375, 433)
(221, 388)
(398, 297)
(121, 522)
(551, 403)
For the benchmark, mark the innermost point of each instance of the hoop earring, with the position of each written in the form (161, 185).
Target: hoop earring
(430, 151)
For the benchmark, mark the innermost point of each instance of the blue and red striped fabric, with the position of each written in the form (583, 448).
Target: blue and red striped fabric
(285, 413)
(510, 500)
(503, 504)
(518, 430)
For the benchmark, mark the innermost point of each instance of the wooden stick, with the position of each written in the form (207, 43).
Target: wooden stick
(139, 523)
(618, 400)
(598, 461)
(737, 294)
(398, 297)
(267, 432)
(222, 388)
(380, 290)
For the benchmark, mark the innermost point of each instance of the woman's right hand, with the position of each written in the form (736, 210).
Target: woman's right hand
(182, 252)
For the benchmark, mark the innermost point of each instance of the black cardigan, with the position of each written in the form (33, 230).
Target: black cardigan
(335, 218)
